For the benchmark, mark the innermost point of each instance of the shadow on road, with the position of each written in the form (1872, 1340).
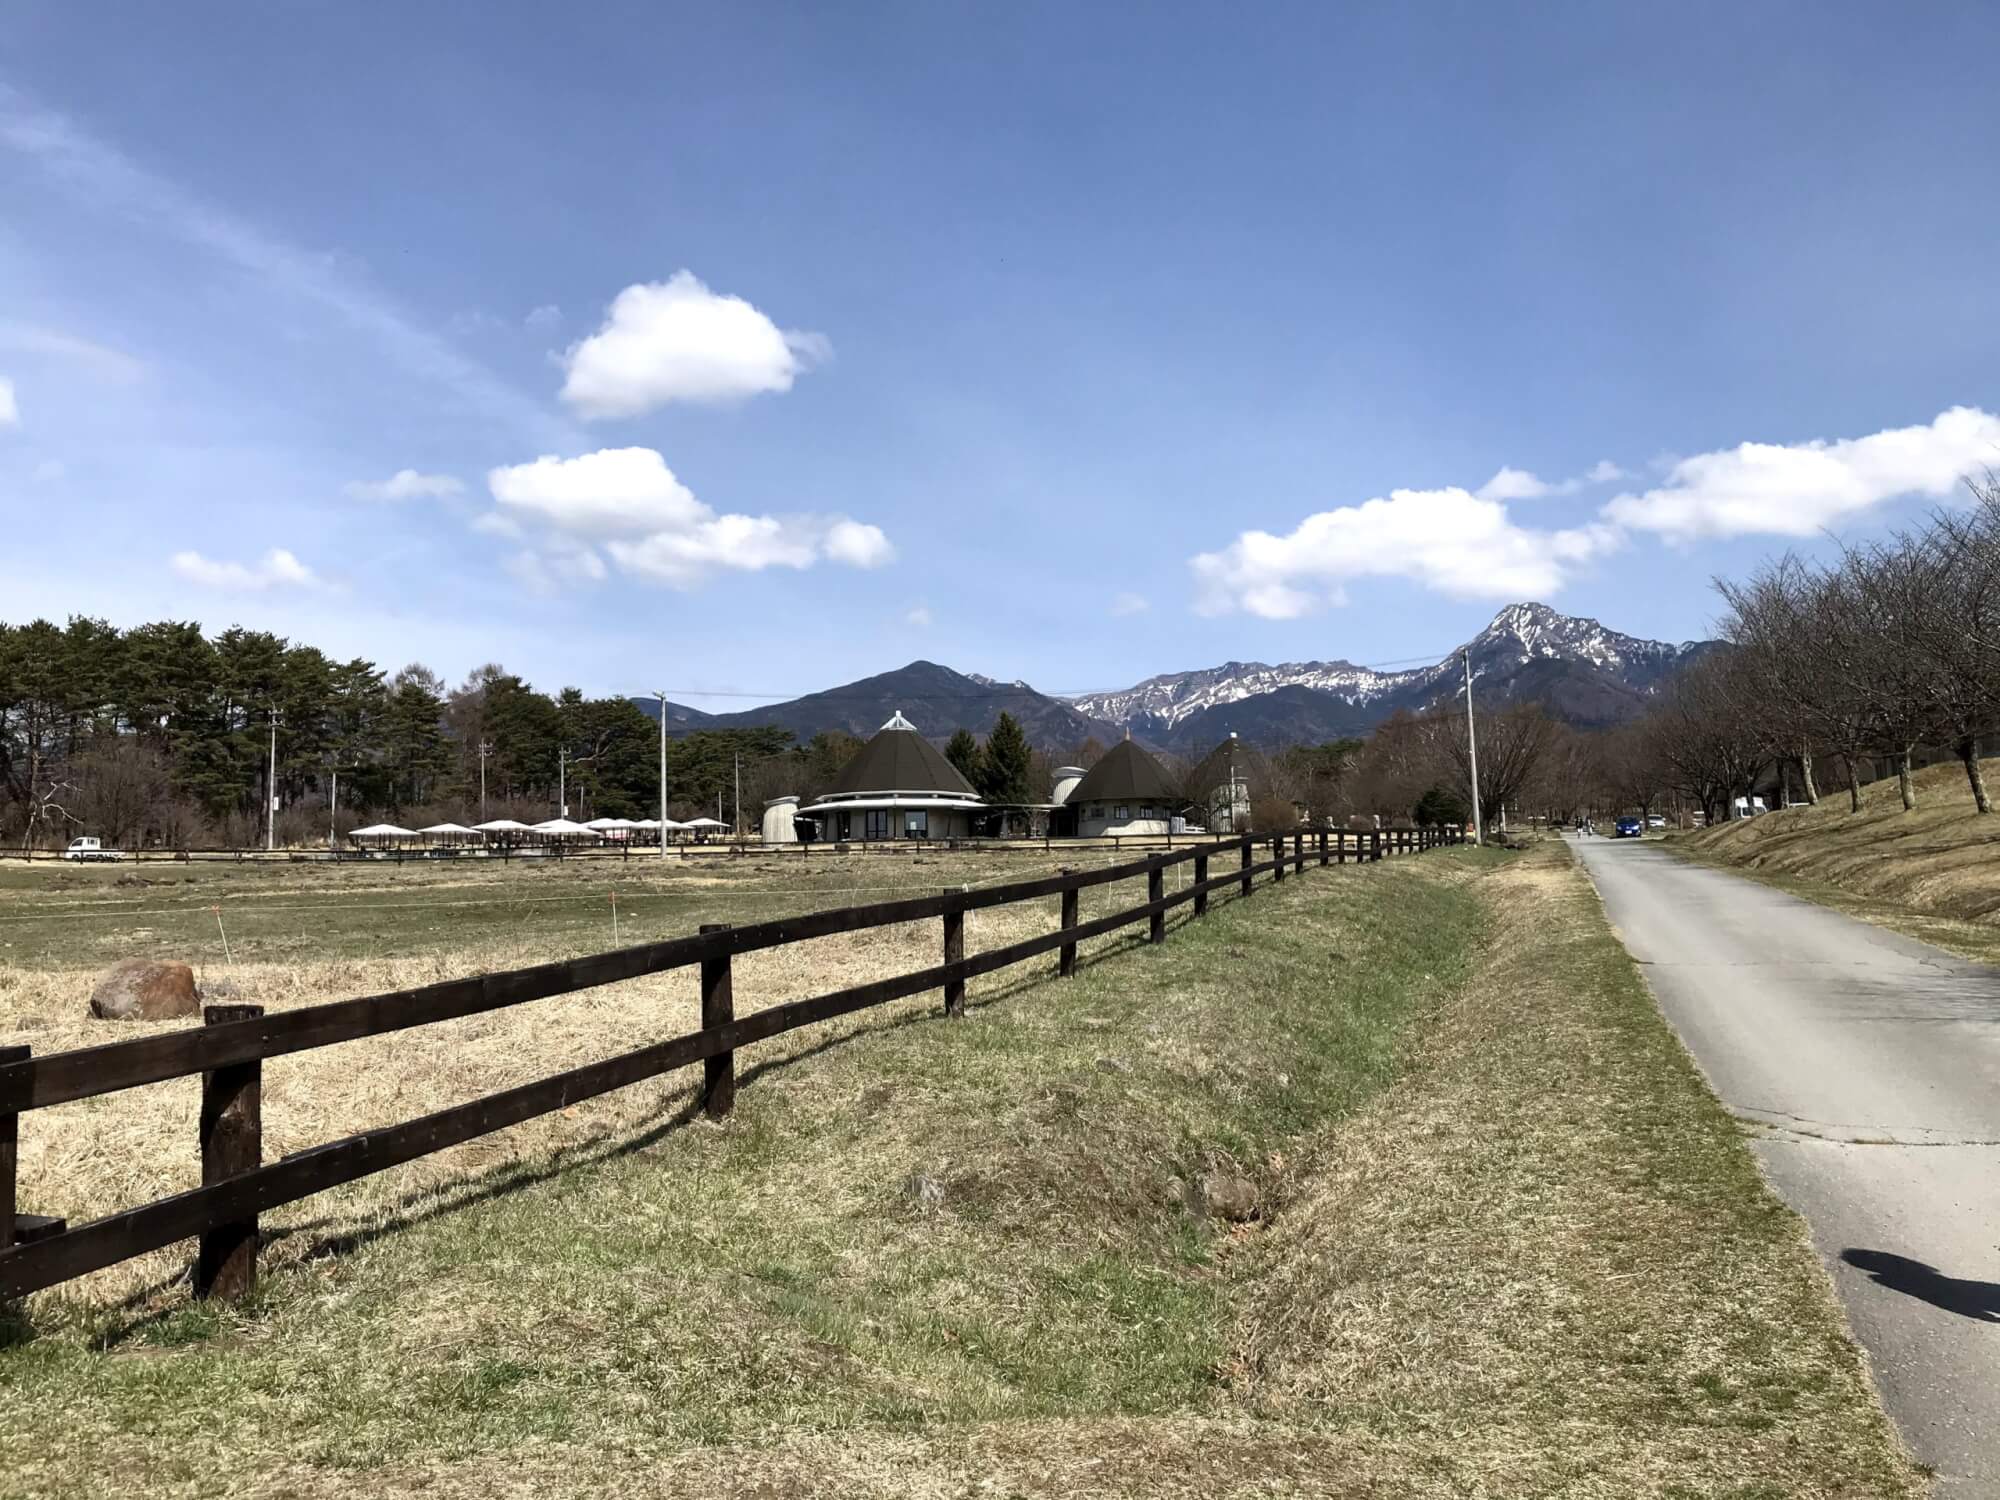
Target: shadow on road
(1978, 1300)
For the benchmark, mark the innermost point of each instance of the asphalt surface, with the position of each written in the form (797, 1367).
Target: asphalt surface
(1868, 1065)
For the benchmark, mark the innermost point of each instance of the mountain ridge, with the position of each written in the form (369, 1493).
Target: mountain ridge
(1585, 672)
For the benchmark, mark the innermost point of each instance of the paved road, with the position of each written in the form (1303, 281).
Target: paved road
(1872, 1063)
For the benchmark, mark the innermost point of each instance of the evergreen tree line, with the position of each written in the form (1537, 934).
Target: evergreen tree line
(160, 735)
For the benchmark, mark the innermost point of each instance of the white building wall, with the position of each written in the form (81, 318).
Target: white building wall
(1102, 819)
(778, 825)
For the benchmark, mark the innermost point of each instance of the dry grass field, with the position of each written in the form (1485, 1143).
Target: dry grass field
(1933, 873)
(1506, 1243)
(299, 935)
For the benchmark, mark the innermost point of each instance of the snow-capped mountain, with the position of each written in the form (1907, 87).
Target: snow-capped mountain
(1582, 669)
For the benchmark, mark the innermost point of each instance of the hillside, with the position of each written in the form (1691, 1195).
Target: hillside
(1933, 872)
(935, 698)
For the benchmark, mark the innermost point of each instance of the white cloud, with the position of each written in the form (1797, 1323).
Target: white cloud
(1799, 489)
(678, 341)
(1520, 484)
(49, 470)
(918, 615)
(1130, 604)
(10, 410)
(1512, 484)
(276, 569)
(1450, 540)
(405, 484)
(543, 318)
(612, 492)
(652, 526)
(681, 558)
(858, 545)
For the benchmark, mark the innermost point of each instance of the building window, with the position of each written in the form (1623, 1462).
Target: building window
(916, 825)
(875, 824)
(1120, 814)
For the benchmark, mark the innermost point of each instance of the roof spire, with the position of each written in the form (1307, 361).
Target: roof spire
(897, 721)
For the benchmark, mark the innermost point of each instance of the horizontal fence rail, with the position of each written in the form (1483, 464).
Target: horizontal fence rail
(38, 1251)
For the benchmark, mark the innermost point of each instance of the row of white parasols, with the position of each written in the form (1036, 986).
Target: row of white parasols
(554, 828)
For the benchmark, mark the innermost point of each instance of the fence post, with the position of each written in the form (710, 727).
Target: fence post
(1278, 856)
(1066, 964)
(10, 1154)
(1156, 890)
(1201, 880)
(954, 952)
(1299, 851)
(1247, 856)
(1375, 846)
(232, 1142)
(718, 1008)
(1322, 848)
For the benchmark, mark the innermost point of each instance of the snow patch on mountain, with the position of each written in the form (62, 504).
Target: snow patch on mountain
(1518, 634)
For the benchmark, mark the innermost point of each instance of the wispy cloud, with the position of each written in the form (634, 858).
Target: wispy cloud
(101, 359)
(918, 615)
(277, 568)
(405, 484)
(10, 409)
(1523, 484)
(103, 177)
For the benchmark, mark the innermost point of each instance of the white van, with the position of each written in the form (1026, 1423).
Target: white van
(89, 848)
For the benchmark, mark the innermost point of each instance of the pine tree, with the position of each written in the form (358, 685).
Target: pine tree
(962, 750)
(1004, 767)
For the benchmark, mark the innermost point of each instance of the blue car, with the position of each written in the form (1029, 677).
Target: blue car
(1631, 828)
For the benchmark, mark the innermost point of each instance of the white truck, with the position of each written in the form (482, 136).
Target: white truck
(90, 848)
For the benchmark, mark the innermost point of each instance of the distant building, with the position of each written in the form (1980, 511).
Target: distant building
(781, 820)
(897, 786)
(1230, 779)
(1125, 792)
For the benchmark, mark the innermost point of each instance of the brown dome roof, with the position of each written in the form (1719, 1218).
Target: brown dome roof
(899, 759)
(1125, 774)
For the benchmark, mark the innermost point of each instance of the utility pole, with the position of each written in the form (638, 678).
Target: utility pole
(738, 820)
(333, 813)
(562, 782)
(1472, 753)
(271, 790)
(663, 773)
(485, 749)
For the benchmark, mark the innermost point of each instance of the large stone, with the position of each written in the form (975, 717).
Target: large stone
(1229, 1196)
(145, 989)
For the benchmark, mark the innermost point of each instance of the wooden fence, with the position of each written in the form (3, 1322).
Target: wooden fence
(229, 1051)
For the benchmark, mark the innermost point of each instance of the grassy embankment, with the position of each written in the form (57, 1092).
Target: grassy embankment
(1931, 873)
(1508, 1245)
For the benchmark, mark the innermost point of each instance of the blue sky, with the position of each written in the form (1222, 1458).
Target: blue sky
(1056, 342)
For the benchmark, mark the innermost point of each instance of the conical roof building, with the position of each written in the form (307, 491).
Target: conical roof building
(897, 786)
(1127, 791)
